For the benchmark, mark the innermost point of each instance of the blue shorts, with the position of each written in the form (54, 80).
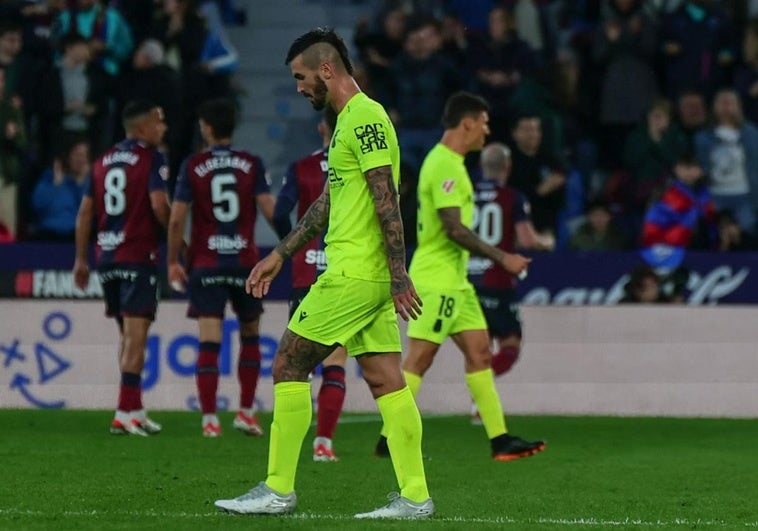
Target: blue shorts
(501, 311)
(211, 288)
(130, 290)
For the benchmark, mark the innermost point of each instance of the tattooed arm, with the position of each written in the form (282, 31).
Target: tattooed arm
(382, 188)
(311, 224)
(466, 238)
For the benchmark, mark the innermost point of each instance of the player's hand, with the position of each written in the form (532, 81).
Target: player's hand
(407, 302)
(264, 272)
(515, 263)
(81, 274)
(177, 277)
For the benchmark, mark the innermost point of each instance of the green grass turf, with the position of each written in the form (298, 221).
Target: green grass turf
(61, 470)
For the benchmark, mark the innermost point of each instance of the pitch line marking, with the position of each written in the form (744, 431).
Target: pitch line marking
(575, 522)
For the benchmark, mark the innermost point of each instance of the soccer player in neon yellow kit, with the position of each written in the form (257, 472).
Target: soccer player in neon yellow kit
(353, 303)
(438, 268)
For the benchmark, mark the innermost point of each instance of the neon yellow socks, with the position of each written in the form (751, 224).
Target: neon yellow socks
(481, 385)
(292, 418)
(402, 425)
(413, 381)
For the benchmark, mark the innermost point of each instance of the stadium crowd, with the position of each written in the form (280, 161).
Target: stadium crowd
(68, 67)
(599, 100)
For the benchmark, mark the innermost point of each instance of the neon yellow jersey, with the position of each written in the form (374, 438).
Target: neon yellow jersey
(439, 262)
(364, 138)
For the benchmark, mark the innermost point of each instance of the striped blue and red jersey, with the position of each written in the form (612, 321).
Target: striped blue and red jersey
(673, 219)
(222, 184)
(122, 179)
(498, 209)
(303, 184)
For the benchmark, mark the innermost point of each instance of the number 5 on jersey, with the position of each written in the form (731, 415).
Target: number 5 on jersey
(226, 203)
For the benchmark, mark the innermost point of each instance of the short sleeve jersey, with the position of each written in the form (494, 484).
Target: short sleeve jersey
(498, 210)
(222, 184)
(122, 179)
(364, 138)
(439, 262)
(303, 184)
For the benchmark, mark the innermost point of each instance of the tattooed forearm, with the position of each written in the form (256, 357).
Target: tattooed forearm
(297, 357)
(383, 190)
(310, 225)
(465, 237)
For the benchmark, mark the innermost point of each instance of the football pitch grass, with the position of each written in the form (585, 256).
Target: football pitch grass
(62, 470)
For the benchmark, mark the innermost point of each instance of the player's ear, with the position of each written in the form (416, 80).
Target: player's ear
(326, 71)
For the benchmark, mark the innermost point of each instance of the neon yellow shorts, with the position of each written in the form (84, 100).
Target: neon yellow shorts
(358, 314)
(447, 312)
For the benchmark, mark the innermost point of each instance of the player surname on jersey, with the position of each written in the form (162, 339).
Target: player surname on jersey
(216, 163)
(120, 156)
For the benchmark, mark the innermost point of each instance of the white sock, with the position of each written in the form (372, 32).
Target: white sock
(139, 414)
(210, 417)
(248, 411)
(322, 440)
(124, 417)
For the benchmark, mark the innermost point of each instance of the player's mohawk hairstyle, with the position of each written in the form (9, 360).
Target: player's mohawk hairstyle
(317, 36)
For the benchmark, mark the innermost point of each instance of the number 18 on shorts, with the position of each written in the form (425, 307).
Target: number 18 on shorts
(447, 312)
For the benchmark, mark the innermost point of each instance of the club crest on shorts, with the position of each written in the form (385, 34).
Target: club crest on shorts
(448, 185)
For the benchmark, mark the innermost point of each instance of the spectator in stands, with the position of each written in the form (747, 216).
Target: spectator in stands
(107, 32)
(674, 221)
(643, 286)
(532, 26)
(746, 78)
(650, 152)
(419, 82)
(219, 59)
(10, 48)
(625, 49)
(38, 20)
(183, 33)
(473, 13)
(728, 152)
(499, 62)
(455, 42)
(731, 236)
(379, 46)
(74, 97)
(21, 70)
(33, 55)
(573, 100)
(138, 15)
(691, 113)
(697, 47)
(598, 232)
(59, 192)
(538, 173)
(152, 79)
(12, 144)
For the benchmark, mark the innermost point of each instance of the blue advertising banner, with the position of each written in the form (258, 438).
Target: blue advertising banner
(34, 270)
(599, 278)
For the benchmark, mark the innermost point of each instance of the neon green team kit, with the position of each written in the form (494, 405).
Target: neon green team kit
(438, 268)
(350, 303)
